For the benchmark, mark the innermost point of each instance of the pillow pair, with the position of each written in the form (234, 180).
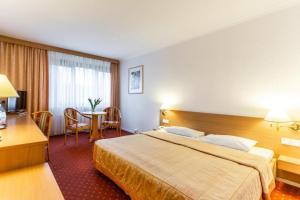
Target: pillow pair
(229, 141)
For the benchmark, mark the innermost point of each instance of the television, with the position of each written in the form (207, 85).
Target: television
(15, 104)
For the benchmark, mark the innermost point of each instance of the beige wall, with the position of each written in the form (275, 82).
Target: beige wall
(243, 70)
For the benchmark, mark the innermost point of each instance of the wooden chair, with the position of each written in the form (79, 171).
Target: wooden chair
(72, 123)
(44, 121)
(113, 118)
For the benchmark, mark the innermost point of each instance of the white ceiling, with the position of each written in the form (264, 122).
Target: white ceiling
(125, 28)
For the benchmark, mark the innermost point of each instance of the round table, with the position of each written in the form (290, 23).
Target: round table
(95, 115)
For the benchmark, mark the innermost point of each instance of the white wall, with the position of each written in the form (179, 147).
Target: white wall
(243, 70)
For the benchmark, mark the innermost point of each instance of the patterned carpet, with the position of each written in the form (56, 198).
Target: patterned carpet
(74, 171)
(79, 180)
(286, 192)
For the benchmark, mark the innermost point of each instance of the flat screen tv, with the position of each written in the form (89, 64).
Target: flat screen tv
(17, 104)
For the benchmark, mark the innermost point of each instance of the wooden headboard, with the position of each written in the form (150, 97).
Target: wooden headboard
(250, 127)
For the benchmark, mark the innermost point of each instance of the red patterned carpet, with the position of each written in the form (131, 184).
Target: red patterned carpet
(79, 180)
(286, 192)
(74, 171)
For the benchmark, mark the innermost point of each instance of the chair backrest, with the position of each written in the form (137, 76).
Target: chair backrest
(112, 114)
(44, 121)
(69, 114)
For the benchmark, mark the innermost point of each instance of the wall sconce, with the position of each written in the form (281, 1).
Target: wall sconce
(164, 108)
(279, 118)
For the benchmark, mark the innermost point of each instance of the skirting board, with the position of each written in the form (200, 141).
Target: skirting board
(128, 130)
(288, 182)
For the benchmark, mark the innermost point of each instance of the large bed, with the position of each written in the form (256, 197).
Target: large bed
(155, 165)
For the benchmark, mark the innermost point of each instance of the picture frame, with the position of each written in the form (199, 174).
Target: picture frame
(136, 80)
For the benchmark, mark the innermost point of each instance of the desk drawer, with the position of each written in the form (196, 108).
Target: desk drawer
(22, 156)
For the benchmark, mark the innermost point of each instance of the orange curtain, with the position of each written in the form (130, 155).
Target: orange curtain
(115, 85)
(27, 69)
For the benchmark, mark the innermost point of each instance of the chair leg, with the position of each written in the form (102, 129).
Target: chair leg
(101, 132)
(76, 136)
(48, 155)
(91, 127)
(65, 130)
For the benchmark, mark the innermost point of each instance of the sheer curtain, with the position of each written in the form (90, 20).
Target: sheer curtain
(74, 79)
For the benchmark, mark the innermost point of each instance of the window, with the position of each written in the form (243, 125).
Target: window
(74, 79)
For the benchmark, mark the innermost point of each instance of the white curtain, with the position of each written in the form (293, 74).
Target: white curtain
(74, 79)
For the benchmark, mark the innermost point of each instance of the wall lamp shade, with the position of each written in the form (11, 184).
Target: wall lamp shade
(277, 116)
(165, 106)
(6, 88)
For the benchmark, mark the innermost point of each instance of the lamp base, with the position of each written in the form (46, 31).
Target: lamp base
(2, 126)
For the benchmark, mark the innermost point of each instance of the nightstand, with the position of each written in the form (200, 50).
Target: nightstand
(289, 164)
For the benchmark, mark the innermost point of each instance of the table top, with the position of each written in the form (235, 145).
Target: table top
(35, 182)
(288, 159)
(94, 113)
(21, 131)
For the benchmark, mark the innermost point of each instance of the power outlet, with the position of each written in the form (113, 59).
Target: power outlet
(135, 131)
(165, 121)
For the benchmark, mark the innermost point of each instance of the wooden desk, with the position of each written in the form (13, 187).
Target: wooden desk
(22, 145)
(35, 182)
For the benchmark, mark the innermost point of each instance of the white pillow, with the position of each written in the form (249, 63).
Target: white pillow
(183, 131)
(230, 141)
(263, 152)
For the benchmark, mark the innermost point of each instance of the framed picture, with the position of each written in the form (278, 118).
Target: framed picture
(136, 80)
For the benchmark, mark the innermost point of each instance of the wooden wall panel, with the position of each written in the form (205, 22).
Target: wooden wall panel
(250, 127)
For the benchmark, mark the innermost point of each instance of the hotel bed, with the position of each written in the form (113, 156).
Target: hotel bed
(156, 165)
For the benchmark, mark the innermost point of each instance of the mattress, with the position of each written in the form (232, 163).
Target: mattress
(164, 166)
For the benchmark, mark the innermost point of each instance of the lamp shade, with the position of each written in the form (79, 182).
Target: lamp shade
(277, 116)
(6, 88)
(165, 106)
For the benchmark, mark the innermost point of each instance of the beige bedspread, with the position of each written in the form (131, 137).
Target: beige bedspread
(162, 166)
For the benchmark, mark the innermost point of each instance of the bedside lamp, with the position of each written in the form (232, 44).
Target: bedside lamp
(279, 118)
(6, 90)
